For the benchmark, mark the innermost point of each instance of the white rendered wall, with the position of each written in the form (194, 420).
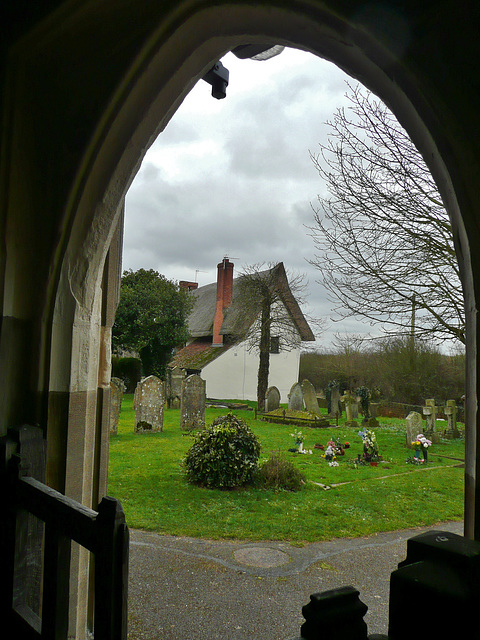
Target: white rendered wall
(233, 376)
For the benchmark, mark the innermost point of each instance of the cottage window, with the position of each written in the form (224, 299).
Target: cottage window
(275, 344)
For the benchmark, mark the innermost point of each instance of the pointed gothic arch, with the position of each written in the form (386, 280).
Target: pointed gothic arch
(104, 79)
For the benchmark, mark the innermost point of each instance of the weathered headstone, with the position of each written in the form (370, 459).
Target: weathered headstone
(335, 407)
(349, 400)
(430, 413)
(149, 405)
(192, 403)
(451, 413)
(272, 399)
(310, 397)
(354, 408)
(173, 403)
(175, 378)
(371, 422)
(295, 398)
(117, 389)
(414, 426)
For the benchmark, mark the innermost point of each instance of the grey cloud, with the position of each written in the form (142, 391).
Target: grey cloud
(251, 201)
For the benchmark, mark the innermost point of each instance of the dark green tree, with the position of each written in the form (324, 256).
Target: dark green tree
(151, 318)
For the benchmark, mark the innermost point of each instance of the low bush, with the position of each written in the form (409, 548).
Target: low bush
(224, 455)
(279, 473)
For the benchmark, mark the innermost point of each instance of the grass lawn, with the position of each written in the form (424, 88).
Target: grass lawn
(145, 474)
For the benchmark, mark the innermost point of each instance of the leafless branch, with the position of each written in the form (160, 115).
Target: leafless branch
(384, 244)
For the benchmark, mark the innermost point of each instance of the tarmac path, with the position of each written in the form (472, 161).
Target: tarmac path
(188, 589)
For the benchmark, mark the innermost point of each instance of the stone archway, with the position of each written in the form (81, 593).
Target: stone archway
(120, 71)
(154, 88)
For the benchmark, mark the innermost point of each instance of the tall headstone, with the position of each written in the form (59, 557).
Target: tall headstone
(430, 413)
(175, 378)
(310, 397)
(451, 413)
(192, 403)
(414, 426)
(349, 401)
(335, 406)
(117, 389)
(272, 399)
(295, 398)
(149, 405)
(354, 408)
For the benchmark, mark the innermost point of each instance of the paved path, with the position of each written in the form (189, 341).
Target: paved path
(188, 589)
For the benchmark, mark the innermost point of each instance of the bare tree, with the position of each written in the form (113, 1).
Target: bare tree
(274, 301)
(384, 244)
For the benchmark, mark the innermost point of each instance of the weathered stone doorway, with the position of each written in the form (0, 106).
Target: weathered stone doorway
(106, 78)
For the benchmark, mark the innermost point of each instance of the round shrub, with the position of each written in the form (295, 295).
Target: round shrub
(279, 473)
(223, 455)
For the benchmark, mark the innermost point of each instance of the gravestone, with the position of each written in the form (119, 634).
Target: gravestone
(149, 405)
(451, 413)
(192, 403)
(173, 403)
(354, 408)
(414, 426)
(349, 400)
(430, 413)
(371, 422)
(335, 406)
(295, 398)
(117, 389)
(272, 399)
(310, 397)
(175, 378)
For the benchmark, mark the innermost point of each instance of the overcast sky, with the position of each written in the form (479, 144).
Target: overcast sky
(234, 177)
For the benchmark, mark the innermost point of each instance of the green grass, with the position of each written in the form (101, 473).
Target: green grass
(145, 474)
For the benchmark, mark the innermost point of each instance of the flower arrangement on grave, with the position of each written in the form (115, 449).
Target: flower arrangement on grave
(331, 450)
(421, 444)
(298, 438)
(338, 448)
(329, 454)
(370, 446)
(335, 446)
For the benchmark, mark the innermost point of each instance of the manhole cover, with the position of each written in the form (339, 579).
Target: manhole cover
(261, 557)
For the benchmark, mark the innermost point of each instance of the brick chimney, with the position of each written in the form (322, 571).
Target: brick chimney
(188, 286)
(224, 298)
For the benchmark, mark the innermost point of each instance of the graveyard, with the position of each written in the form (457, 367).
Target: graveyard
(344, 495)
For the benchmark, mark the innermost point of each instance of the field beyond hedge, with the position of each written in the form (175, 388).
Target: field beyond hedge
(146, 475)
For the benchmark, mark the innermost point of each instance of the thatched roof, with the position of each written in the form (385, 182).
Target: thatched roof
(200, 322)
(238, 317)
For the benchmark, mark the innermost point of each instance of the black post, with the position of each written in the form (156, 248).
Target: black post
(335, 615)
(111, 572)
